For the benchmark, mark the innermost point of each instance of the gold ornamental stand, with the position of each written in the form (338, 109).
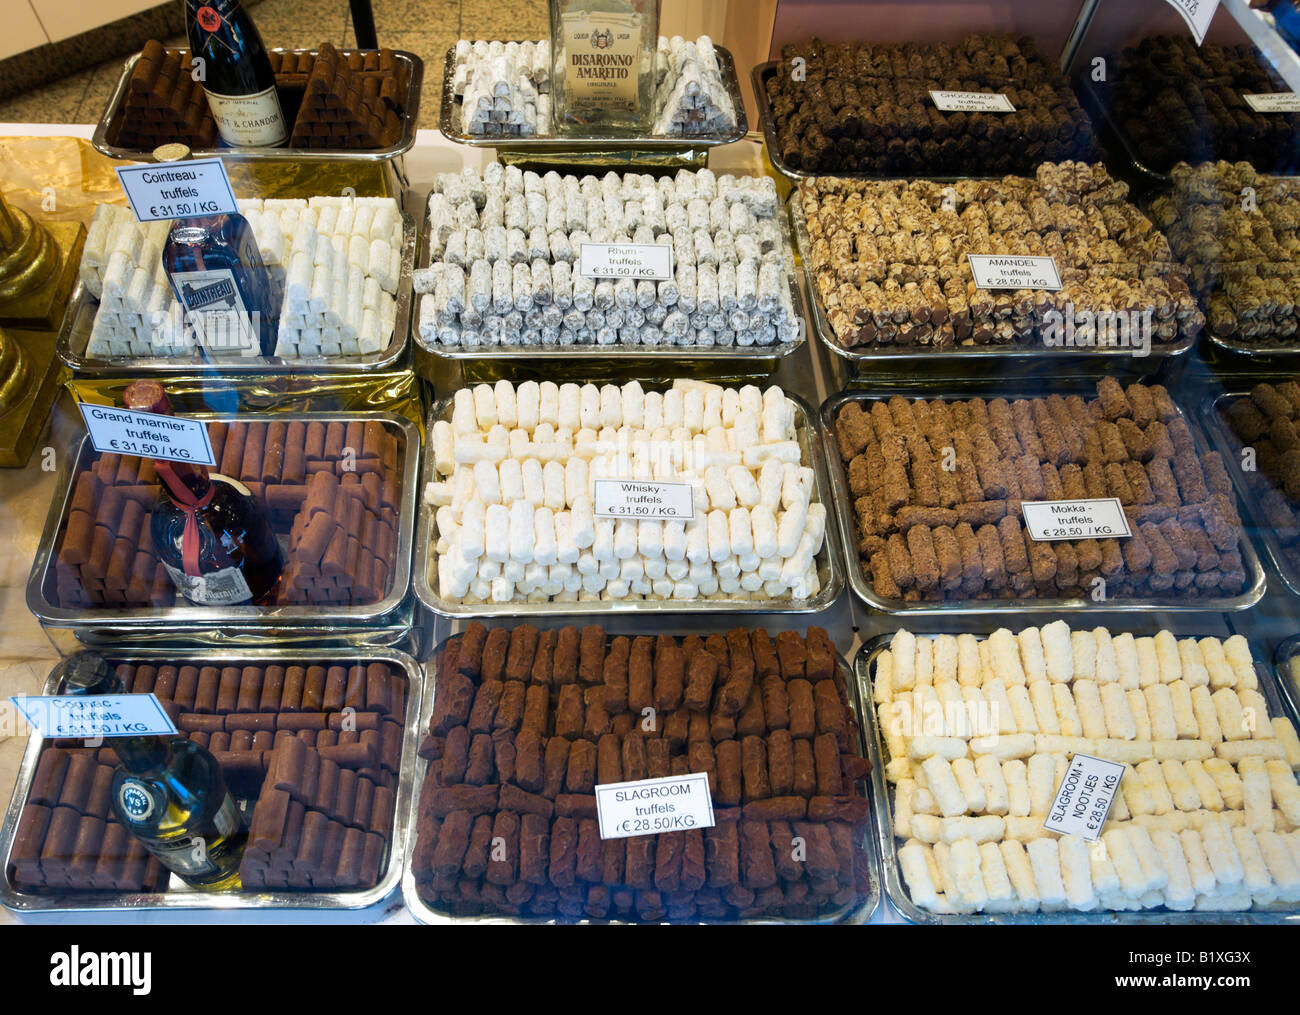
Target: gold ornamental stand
(38, 267)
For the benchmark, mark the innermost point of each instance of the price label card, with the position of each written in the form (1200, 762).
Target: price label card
(1084, 797)
(652, 806)
(652, 261)
(971, 102)
(1005, 271)
(1273, 102)
(1048, 520)
(147, 434)
(627, 498)
(1197, 13)
(88, 718)
(177, 190)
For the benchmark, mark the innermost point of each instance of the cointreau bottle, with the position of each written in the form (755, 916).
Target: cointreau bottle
(210, 533)
(229, 295)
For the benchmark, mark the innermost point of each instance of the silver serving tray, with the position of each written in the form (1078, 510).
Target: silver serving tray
(425, 913)
(669, 357)
(179, 895)
(828, 558)
(414, 81)
(450, 123)
(843, 497)
(1258, 349)
(74, 334)
(1101, 357)
(234, 623)
(1229, 446)
(896, 892)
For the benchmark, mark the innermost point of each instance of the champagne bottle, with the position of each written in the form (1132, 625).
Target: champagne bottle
(230, 297)
(236, 74)
(210, 533)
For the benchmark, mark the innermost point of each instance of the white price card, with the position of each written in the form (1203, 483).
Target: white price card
(1197, 13)
(177, 190)
(1007, 271)
(653, 261)
(1273, 102)
(147, 434)
(1048, 520)
(971, 102)
(87, 717)
(644, 501)
(1084, 797)
(652, 806)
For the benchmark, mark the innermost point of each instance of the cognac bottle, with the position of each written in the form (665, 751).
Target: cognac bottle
(170, 794)
(210, 533)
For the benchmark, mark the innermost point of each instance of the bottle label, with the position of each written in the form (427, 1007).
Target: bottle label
(214, 308)
(249, 121)
(137, 802)
(226, 820)
(186, 855)
(227, 587)
(601, 52)
(208, 19)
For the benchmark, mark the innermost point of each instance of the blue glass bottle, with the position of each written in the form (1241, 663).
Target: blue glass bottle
(230, 298)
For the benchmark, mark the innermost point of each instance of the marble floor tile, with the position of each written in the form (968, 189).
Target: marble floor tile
(505, 20)
(57, 102)
(431, 47)
(401, 17)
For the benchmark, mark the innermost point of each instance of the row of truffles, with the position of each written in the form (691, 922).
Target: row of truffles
(1239, 232)
(866, 108)
(978, 735)
(526, 724)
(505, 88)
(515, 501)
(1266, 424)
(505, 249)
(339, 259)
(889, 262)
(332, 489)
(937, 485)
(1176, 101)
(340, 100)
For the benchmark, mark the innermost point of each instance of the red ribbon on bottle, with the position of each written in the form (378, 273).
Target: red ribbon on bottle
(190, 504)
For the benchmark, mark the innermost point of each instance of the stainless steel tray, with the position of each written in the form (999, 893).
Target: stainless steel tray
(882, 803)
(425, 913)
(450, 123)
(1098, 357)
(1229, 446)
(179, 895)
(414, 82)
(829, 561)
(78, 319)
(759, 76)
(1273, 350)
(234, 622)
(664, 357)
(843, 497)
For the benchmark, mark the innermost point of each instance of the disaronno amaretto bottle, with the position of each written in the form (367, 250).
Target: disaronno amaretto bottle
(604, 52)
